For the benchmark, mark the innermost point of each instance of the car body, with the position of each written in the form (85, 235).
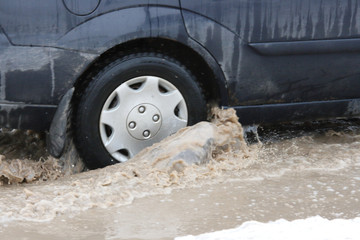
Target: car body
(271, 60)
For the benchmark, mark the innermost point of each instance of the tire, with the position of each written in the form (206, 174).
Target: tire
(132, 103)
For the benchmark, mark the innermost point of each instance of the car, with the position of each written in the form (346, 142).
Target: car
(122, 75)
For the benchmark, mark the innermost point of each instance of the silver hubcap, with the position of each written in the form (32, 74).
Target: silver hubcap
(138, 113)
(141, 121)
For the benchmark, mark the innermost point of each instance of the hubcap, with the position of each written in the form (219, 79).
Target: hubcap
(141, 121)
(138, 113)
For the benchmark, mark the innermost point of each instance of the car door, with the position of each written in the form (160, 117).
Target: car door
(35, 70)
(28, 70)
(281, 51)
(33, 22)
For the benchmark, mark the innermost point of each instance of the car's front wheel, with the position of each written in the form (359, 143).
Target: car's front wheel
(132, 103)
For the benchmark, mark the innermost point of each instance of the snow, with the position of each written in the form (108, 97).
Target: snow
(313, 228)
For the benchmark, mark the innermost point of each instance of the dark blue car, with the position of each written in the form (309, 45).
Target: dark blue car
(123, 74)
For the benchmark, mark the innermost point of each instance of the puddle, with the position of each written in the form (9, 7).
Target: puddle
(204, 178)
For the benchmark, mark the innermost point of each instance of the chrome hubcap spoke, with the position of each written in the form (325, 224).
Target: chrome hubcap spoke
(150, 85)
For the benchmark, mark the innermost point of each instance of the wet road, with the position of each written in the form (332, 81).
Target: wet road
(209, 208)
(297, 171)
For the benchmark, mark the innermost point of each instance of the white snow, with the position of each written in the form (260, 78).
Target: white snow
(313, 228)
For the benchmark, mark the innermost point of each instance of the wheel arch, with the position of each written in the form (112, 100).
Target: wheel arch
(192, 55)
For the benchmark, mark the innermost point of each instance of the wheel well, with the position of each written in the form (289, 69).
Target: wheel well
(188, 57)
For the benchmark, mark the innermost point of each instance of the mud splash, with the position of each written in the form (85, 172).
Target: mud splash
(25, 170)
(176, 162)
(197, 156)
(195, 145)
(194, 152)
(17, 144)
(25, 159)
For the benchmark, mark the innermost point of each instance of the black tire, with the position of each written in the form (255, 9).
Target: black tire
(89, 109)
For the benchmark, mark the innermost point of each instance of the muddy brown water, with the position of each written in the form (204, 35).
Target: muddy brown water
(295, 171)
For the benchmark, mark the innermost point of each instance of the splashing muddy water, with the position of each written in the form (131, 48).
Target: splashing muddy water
(21, 148)
(187, 158)
(206, 169)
